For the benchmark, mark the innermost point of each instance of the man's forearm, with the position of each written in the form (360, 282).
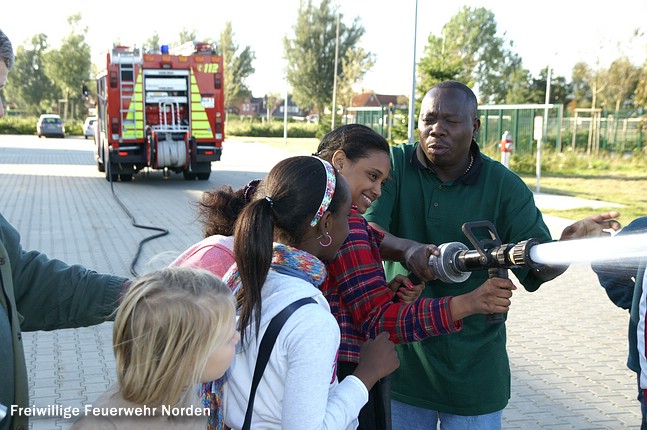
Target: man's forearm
(414, 255)
(394, 248)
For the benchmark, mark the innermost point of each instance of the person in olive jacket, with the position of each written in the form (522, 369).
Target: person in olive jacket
(39, 293)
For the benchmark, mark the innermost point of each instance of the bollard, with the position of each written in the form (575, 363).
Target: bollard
(506, 144)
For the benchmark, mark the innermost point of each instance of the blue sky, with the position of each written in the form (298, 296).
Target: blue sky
(555, 32)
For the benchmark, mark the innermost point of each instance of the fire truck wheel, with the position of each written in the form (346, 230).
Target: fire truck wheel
(189, 176)
(203, 176)
(126, 177)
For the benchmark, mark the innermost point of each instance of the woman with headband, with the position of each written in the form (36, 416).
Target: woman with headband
(298, 220)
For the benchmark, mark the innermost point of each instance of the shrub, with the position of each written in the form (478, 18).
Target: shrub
(255, 128)
(18, 125)
(571, 162)
(27, 125)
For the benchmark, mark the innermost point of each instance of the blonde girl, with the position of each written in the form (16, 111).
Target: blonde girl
(174, 329)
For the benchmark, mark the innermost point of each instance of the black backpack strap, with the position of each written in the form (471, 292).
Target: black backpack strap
(265, 349)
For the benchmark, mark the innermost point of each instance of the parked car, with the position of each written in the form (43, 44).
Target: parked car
(49, 125)
(88, 126)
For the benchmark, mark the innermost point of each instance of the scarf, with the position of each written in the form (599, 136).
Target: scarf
(211, 395)
(286, 260)
(289, 261)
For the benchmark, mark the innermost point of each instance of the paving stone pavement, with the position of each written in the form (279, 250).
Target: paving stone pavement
(567, 342)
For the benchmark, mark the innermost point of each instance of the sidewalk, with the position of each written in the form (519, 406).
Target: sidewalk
(567, 342)
(551, 201)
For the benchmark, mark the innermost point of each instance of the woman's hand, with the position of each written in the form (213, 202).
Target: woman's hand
(405, 290)
(377, 360)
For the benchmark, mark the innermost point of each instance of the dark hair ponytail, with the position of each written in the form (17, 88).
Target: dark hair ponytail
(253, 254)
(284, 206)
(219, 209)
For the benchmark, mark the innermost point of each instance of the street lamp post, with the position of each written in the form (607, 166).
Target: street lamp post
(334, 85)
(412, 99)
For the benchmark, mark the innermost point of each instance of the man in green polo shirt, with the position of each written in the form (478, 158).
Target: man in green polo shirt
(461, 379)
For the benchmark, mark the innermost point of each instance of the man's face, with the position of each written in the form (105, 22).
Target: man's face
(4, 72)
(446, 127)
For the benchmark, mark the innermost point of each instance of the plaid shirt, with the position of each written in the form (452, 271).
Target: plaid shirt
(364, 305)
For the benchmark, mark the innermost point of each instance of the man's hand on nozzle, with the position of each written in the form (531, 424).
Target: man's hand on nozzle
(417, 260)
(377, 359)
(593, 226)
(492, 297)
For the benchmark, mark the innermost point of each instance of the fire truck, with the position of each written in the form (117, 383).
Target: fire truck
(162, 111)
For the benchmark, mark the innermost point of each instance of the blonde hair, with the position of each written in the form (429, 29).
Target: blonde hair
(167, 325)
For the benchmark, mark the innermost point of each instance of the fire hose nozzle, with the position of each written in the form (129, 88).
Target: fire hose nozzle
(456, 263)
(444, 266)
(520, 254)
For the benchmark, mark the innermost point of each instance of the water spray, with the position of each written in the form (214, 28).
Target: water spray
(619, 249)
(456, 262)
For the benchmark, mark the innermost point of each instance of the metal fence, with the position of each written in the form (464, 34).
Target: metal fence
(584, 130)
(379, 118)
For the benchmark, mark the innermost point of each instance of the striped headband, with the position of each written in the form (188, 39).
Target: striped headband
(328, 193)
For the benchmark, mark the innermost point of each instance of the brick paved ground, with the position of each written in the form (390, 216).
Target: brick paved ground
(567, 342)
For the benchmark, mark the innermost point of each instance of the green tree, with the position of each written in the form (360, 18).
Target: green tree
(30, 87)
(560, 90)
(354, 65)
(470, 51)
(187, 36)
(641, 89)
(311, 53)
(437, 64)
(237, 65)
(519, 90)
(152, 44)
(581, 78)
(70, 66)
(622, 78)
(270, 102)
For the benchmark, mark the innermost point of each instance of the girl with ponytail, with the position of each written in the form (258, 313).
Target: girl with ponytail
(297, 221)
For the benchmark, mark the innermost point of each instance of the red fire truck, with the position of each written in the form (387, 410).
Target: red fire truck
(162, 111)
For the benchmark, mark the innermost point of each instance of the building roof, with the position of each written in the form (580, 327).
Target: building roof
(370, 98)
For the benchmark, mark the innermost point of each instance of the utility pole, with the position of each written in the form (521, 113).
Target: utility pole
(543, 132)
(334, 85)
(412, 99)
(547, 100)
(285, 114)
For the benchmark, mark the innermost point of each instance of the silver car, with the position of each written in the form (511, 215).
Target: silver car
(88, 126)
(49, 125)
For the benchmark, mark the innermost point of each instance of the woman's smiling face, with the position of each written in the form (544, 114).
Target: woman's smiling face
(365, 176)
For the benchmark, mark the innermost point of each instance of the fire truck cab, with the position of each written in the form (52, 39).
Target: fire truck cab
(162, 111)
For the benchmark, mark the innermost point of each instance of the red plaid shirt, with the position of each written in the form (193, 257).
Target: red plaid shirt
(363, 303)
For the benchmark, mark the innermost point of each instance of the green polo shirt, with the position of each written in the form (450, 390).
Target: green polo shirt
(464, 373)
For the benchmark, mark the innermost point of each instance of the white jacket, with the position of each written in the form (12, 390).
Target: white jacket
(299, 388)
